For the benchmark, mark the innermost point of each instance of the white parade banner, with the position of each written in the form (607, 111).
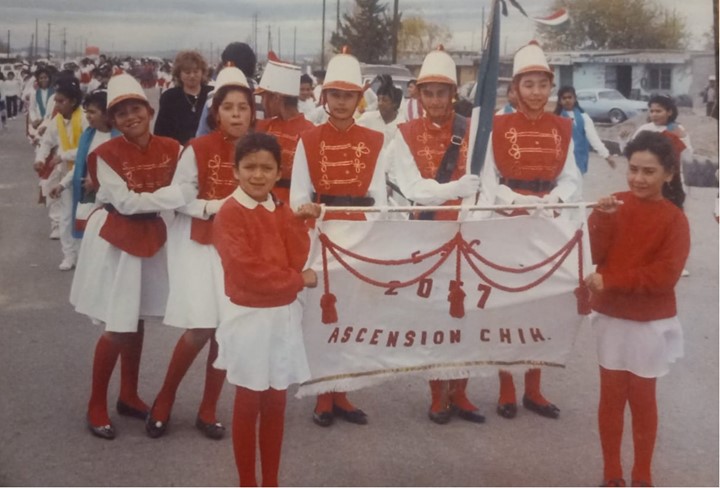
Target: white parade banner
(387, 302)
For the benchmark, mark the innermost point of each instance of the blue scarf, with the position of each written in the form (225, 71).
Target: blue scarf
(79, 173)
(40, 101)
(582, 145)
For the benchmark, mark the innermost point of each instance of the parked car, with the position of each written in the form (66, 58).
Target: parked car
(608, 105)
(400, 75)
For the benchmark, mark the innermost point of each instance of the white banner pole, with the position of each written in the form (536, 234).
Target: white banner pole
(470, 208)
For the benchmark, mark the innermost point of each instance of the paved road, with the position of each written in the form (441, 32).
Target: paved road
(46, 354)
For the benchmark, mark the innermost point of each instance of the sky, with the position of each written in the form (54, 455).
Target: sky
(119, 26)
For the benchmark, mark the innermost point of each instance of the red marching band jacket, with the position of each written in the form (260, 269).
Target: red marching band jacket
(287, 133)
(215, 157)
(530, 154)
(342, 164)
(144, 171)
(428, 143)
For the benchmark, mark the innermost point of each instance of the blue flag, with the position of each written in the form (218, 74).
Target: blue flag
(486, 90)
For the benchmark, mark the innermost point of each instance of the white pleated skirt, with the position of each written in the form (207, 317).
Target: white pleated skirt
(263, 348)
(113, 287)
(644, 348)
(197, 288)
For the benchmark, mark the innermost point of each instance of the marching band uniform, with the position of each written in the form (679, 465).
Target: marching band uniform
(339, 168)
(196, 298)
(263, 247)
(64, 135)
(529, 161)
(121, 275)
(289, 124)
(416, 157)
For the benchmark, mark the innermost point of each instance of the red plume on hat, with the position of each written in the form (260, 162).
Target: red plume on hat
(117, 70)
(273, 57)
(345, 49)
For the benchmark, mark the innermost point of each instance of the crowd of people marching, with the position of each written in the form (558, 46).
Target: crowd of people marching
(203, 221)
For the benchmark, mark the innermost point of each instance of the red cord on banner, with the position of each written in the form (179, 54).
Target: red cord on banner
(328, 300)
(456, 295)
(582, 292)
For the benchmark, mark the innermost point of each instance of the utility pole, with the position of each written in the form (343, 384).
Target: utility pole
(395, 30)
(8, 44)
(255, 31)
(64, 43)
(48, 41)
(35, 51)
(279, 53)
(269, 43)
(337, 21)
(322, 40)
(482, 29)
(32, 47)
(294, 43)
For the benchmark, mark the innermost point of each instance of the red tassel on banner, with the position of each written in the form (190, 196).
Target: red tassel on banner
(582, 294)
(456, 297)
(329, 312)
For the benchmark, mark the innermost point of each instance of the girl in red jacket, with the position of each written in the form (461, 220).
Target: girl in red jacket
(263, 247)
(640, 248)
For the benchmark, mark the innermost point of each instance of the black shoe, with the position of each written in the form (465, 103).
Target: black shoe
(507, 410)
(469, 415)
(550, 411)
(323, 419)
(356, 416)
(155, 428)
(212, 431)
(614, 482)
(104, 431)
(128, 411)
(442, 417)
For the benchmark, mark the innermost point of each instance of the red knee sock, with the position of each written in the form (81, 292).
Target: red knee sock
(611, 414)
(244, 425)
(130, 355)
(214, 379)
(458, 396)
(507, 388)
(340, 399)
(439, 394)
(324, 403)
(183, 356)
(106, 354)
(532, 386)
(272, 425)
(641, 396)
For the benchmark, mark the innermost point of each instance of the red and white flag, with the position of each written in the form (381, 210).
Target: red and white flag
(556, 18)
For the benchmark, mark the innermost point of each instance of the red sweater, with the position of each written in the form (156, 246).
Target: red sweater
(262, 253)
(640, 251)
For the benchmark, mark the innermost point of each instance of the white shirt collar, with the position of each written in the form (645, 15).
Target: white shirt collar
(248, 202)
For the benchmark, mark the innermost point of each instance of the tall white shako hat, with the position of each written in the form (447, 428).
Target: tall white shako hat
(230, 76)
(343, 73)
(438, 67)
(123, 87)
(531, 59)
(279, 77)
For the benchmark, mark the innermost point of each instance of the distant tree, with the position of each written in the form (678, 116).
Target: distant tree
(367, 32)
(616, 24)
(417, 35)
